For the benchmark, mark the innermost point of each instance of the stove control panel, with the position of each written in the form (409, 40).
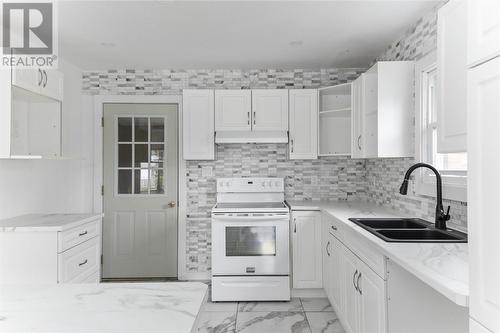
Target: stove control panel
(250, 185)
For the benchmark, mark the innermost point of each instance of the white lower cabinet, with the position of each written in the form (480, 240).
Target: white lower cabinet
(349, 275)
(331, 273)
(45, 257)
(372, 307)
(306, 249)
(356, 292)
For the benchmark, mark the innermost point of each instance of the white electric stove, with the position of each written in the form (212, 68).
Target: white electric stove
(250, 241)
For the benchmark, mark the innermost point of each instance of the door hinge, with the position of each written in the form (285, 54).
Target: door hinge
(102, 189)
(102, 121)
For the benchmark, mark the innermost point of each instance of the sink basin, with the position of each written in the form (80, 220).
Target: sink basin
(426, 235)
(408, 230)
(393, 223)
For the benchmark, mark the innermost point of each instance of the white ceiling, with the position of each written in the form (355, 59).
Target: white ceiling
(232, 34)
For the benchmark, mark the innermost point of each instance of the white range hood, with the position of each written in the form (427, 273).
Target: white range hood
(251, 137)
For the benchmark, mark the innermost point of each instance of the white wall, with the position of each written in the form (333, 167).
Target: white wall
(48, 186)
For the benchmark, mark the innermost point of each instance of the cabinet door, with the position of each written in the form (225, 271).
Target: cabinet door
(327, 253)
(483, 183)
(232, 110)
(52, 84)
(270, 110)
(29, 79)
(372, 304)
(335, 274)
(303, 124)
(306, 248)
(452, 77)
(483, 37)
(350, 294)
(369, 105)
(357, 118)
(198, 124)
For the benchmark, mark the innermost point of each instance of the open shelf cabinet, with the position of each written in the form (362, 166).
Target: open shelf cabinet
(334, 130)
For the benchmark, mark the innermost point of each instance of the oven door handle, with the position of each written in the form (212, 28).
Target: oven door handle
(250, 218)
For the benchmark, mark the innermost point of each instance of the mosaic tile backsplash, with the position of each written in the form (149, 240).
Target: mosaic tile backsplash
(325, 178)
(328, 178)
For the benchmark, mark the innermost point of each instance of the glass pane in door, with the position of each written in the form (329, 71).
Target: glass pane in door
(250, 241)
(141, 155)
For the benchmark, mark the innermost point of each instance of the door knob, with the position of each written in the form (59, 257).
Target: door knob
(171, 204)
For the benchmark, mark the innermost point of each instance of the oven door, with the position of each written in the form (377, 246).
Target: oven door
(250, 244)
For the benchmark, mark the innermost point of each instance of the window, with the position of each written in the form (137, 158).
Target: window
(453, 167)
(140, 158)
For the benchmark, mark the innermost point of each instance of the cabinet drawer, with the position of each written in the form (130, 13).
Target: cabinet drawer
(78, 235)
(332, 225)
(372, 257)
(77, 263)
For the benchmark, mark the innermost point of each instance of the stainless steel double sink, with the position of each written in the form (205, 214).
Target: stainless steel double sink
(409, 230)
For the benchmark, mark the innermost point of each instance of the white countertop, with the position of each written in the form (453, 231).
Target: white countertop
(101, 308)
(45, 222)
(442, 266)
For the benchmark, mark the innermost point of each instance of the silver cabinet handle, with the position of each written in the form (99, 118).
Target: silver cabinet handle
(41, 76)
(357, 284)
(291, 142)
(354, 279)
(359, 142)
(248, 117)
(334, 227)
(45, 74)
(254, 118)
(83, 233)
(83, 263)
(295, 225)
(327, 246)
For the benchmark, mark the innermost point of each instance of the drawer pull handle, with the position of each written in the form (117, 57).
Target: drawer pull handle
(82, 233)
(357, 284)
(334, 227)
(354, 279)
(83, 263)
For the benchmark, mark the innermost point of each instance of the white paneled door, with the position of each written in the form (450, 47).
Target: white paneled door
(140, 190)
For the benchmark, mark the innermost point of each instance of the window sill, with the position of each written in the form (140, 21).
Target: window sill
(453, 192)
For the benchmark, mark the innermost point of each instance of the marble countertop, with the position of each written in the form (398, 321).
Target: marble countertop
(442, 266)
(45, 222)
(101, 308)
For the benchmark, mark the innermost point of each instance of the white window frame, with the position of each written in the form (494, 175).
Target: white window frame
(454, 188)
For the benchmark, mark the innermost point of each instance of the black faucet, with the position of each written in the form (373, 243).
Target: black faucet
(441, 216)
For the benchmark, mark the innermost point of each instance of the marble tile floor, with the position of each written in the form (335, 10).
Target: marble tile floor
(300, 315)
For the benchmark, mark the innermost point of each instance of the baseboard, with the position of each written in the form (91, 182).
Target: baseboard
(313, 293)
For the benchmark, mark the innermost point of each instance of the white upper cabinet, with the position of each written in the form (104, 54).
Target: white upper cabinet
(306, 249)
(198, 124)
(357, 150)
(303, 124)
(233, 110)
(46, 82)
(483, 183)
(251, 110)
(483, 25)
(52, 85)
(270, 110)
(382, 111)
(29, 79)
(452, 77)
(30, 127)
